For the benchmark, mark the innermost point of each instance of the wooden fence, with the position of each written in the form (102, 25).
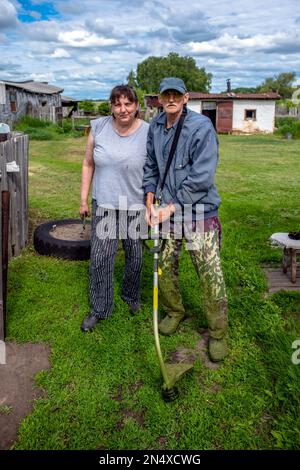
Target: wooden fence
(14, 178)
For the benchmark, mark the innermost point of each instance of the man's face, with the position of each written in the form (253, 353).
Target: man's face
(172, 101)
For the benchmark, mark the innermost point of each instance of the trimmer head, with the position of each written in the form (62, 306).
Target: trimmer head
(174, 372)
(170, 394)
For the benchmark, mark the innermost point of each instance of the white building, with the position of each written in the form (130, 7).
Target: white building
(232, 113)
(240, 113)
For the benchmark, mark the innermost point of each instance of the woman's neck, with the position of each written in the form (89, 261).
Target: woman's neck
(126, 128)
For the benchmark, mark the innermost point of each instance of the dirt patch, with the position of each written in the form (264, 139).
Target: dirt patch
(138, 416)
(73, 232)
(183, 354)
(118, 395)
(162, 442)
(18, 390)
(135, 386)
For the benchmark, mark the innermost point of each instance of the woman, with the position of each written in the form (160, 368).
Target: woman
(115, 156)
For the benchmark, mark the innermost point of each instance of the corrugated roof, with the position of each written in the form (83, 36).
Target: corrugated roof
(151, 99)
(67, 98)
(234, 96)
(35, 87)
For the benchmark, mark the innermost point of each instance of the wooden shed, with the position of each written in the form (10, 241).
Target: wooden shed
(36, 99)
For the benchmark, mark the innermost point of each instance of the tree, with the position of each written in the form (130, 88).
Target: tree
(131, 79)
(87, 106)
(282, 84)
(104, 108)
(151, 71)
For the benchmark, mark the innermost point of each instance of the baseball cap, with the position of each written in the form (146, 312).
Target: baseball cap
(172, 83)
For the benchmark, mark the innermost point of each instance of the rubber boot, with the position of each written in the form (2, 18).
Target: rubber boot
(169, 324)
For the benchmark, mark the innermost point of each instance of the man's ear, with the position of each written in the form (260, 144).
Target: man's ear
(159, 99)
(186, 98)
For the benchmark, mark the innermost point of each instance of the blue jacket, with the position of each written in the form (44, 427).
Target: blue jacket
(190, 179)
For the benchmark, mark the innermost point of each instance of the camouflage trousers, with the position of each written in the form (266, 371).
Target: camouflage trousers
(205, 254)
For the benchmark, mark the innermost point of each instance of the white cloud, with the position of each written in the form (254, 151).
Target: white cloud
(232, 44)
(8, 15)
(82, 38)
(88, 47)
(60, 53)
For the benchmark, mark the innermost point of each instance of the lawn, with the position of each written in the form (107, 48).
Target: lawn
(103, 390)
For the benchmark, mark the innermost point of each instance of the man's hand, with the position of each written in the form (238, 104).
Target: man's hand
(160, 214)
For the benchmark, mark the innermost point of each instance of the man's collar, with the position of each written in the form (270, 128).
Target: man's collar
(162, 118)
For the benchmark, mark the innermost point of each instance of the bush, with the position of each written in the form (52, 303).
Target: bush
(87, 106)
(104, 108)
(45, 130)
(288, 125)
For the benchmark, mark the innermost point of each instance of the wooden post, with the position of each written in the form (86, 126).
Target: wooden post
(293, 266)
(285, 260)
(5, 197)
(2, 334)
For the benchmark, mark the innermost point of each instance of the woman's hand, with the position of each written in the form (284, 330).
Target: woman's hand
(149, 204)
(84, 210)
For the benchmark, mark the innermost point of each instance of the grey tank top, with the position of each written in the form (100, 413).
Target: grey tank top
(119, 162)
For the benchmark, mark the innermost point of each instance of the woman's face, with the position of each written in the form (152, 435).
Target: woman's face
(124, 110)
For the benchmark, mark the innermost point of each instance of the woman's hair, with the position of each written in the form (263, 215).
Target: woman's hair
(123, 90)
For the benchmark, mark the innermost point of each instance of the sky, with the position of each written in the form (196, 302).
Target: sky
(89, 46)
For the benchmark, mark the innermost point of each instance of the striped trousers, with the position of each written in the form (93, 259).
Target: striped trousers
(103, 254)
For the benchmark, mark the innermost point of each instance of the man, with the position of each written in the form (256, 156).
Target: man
(189, 184)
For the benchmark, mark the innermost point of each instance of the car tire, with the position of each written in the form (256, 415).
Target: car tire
(63, 239)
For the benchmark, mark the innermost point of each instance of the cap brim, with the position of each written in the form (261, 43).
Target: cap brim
(179, 89)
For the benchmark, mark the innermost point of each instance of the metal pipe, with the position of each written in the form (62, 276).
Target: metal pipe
(155, 308)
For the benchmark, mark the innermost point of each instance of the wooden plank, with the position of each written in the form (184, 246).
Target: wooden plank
(22, 208)
(281, 276)
(8, 158)
(13, 199)
(1, 280)
(273, 290)
(16, 149)
(26, 169)
(277, 280)
(24, 188)
(4, 184)
(17, 178)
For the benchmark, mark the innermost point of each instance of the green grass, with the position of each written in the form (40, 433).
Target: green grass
(46, 130)
(5, 410)
(103, 390)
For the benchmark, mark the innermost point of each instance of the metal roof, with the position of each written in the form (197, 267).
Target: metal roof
(152, 99)
(65, 98)
(234, 96)
(34, 87)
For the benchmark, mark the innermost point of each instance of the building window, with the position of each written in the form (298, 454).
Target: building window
(250, 114)
(13, 102)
